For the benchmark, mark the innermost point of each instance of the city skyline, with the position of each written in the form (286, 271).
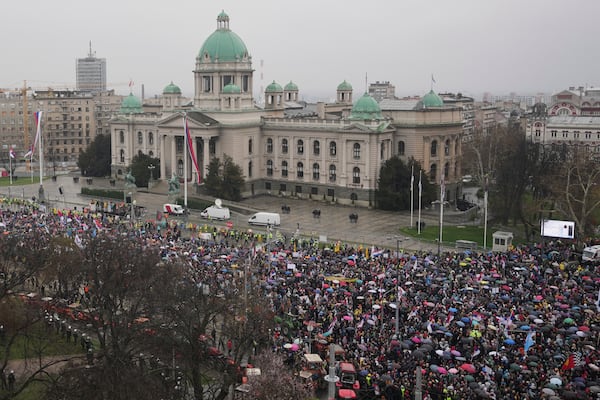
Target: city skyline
(466, 46)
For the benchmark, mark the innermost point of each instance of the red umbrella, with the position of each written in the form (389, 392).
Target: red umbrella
(470, 368)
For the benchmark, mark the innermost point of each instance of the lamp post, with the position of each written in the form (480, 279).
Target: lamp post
(397, 315)
(151, 169)
(310, 328)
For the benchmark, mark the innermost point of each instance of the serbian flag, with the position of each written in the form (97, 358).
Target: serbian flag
(11, 153)
(190, 144)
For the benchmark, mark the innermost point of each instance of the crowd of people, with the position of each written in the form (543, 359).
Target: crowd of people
(522, 324)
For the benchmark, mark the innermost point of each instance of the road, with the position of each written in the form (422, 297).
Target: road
(373, 228)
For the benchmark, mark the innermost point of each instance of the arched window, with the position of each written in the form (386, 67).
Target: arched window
(401, 148)
(332, 173)
(179, 144)
(284, 146)
(150, 138)
(316, 147)
(382, 151)
(316, 171)
(121, 137)
(300, 146)
(249, 169)
(180, 168)
(356, 175)
(122, 155)
(140, 138)
(434, 148)
(356, 151)
(249, 146)
(300, 170)
(269, 145)
(269, 167)
(447, 147)
(446, 171)
(284, 169)
(151, 153)
(433, 172)
(332, 149)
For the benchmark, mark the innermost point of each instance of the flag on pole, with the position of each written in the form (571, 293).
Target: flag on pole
(11, 153)
(38, 122)
(420, 185)
(598, 301)
(529, 341)
(569, 363)
(190, 143)
(432, 79)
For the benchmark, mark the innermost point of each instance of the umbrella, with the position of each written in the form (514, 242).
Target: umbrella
(568, 321)
(442, 370)
(452, 309)
(509, 341)
(470, 368)
(455, 353)
(453, 371)
(347, 318)
(416, 339)
(469, 378)
(555, 380)
(295, 347)
(434, 368)
(548, 391)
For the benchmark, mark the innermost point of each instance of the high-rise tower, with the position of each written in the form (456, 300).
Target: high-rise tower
(91, 73)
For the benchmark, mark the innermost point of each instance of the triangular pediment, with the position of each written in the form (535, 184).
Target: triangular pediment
(196, 120)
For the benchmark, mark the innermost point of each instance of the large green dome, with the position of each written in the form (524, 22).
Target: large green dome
(231, 88)
(431, 99)
(344, 86)
(366, 108)
(171, 88)
(131, 105)
(291, 86)
(274, 87)
(223, 44)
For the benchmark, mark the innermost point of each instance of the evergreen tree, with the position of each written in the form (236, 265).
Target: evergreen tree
(95, 160)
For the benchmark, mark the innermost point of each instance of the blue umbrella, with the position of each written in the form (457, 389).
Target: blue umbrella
(453, 310)
(524, 327)
(449, 334)
(461, 324)
(509, 341)
(329, 290)
(466, 320)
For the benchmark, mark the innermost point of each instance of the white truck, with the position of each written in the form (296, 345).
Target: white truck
(265, 218)
(173, 209)
(591, 254)
(214, 212)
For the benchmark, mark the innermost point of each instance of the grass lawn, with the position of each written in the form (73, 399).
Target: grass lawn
(451, 234)
(40, 341)
(21, 181)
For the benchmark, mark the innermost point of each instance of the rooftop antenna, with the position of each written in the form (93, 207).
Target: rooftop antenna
(366, 83)
(90, 53)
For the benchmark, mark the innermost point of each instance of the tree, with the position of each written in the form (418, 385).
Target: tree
(573, 185)
(95, 159)
(141, 172)
(224, 179)
(124, 300)
(394, 185)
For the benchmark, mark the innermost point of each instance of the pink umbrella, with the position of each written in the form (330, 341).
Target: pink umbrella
(442, 370)
(416, 339)
(347, 318)
(294, 347)
(455, 353)
(453, 371)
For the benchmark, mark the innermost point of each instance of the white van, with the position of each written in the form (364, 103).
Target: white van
(214, 212)
(265, 218)
(173, 209)
(591, 253)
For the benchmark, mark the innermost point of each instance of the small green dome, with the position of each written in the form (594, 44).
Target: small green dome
(223, 44)
(366, 108)
(131, 105)
(431, 99)
(344, 86)
(231, 88)
(274, 87)
(171, 88)
(291, 86)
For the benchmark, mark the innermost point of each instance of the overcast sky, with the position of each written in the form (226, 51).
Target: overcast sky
(469, 46)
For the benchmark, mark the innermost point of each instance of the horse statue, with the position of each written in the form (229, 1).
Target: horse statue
(174, 184)
(129, 180)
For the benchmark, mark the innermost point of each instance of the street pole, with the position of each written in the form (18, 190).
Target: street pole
(485, 212)
(397, 315)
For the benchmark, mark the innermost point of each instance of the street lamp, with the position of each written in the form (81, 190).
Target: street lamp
(397, 315)
(151, 169)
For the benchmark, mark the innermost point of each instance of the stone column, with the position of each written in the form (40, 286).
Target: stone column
(163, 158)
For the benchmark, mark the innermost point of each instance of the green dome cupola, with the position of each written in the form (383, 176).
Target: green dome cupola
(131, 105)
(290, 87)
(344, 86)
(366, 108)
(171, 88)
(431, 99)
(274, 87)
(231, 89)
(223, 44)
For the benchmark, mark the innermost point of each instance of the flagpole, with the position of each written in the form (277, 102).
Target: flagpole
(10, 157)
(39, 128)
(185, 154)
(420, 193)
(441, 212)
(412, 197)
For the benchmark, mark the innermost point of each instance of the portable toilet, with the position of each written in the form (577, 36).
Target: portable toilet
(502, 241)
